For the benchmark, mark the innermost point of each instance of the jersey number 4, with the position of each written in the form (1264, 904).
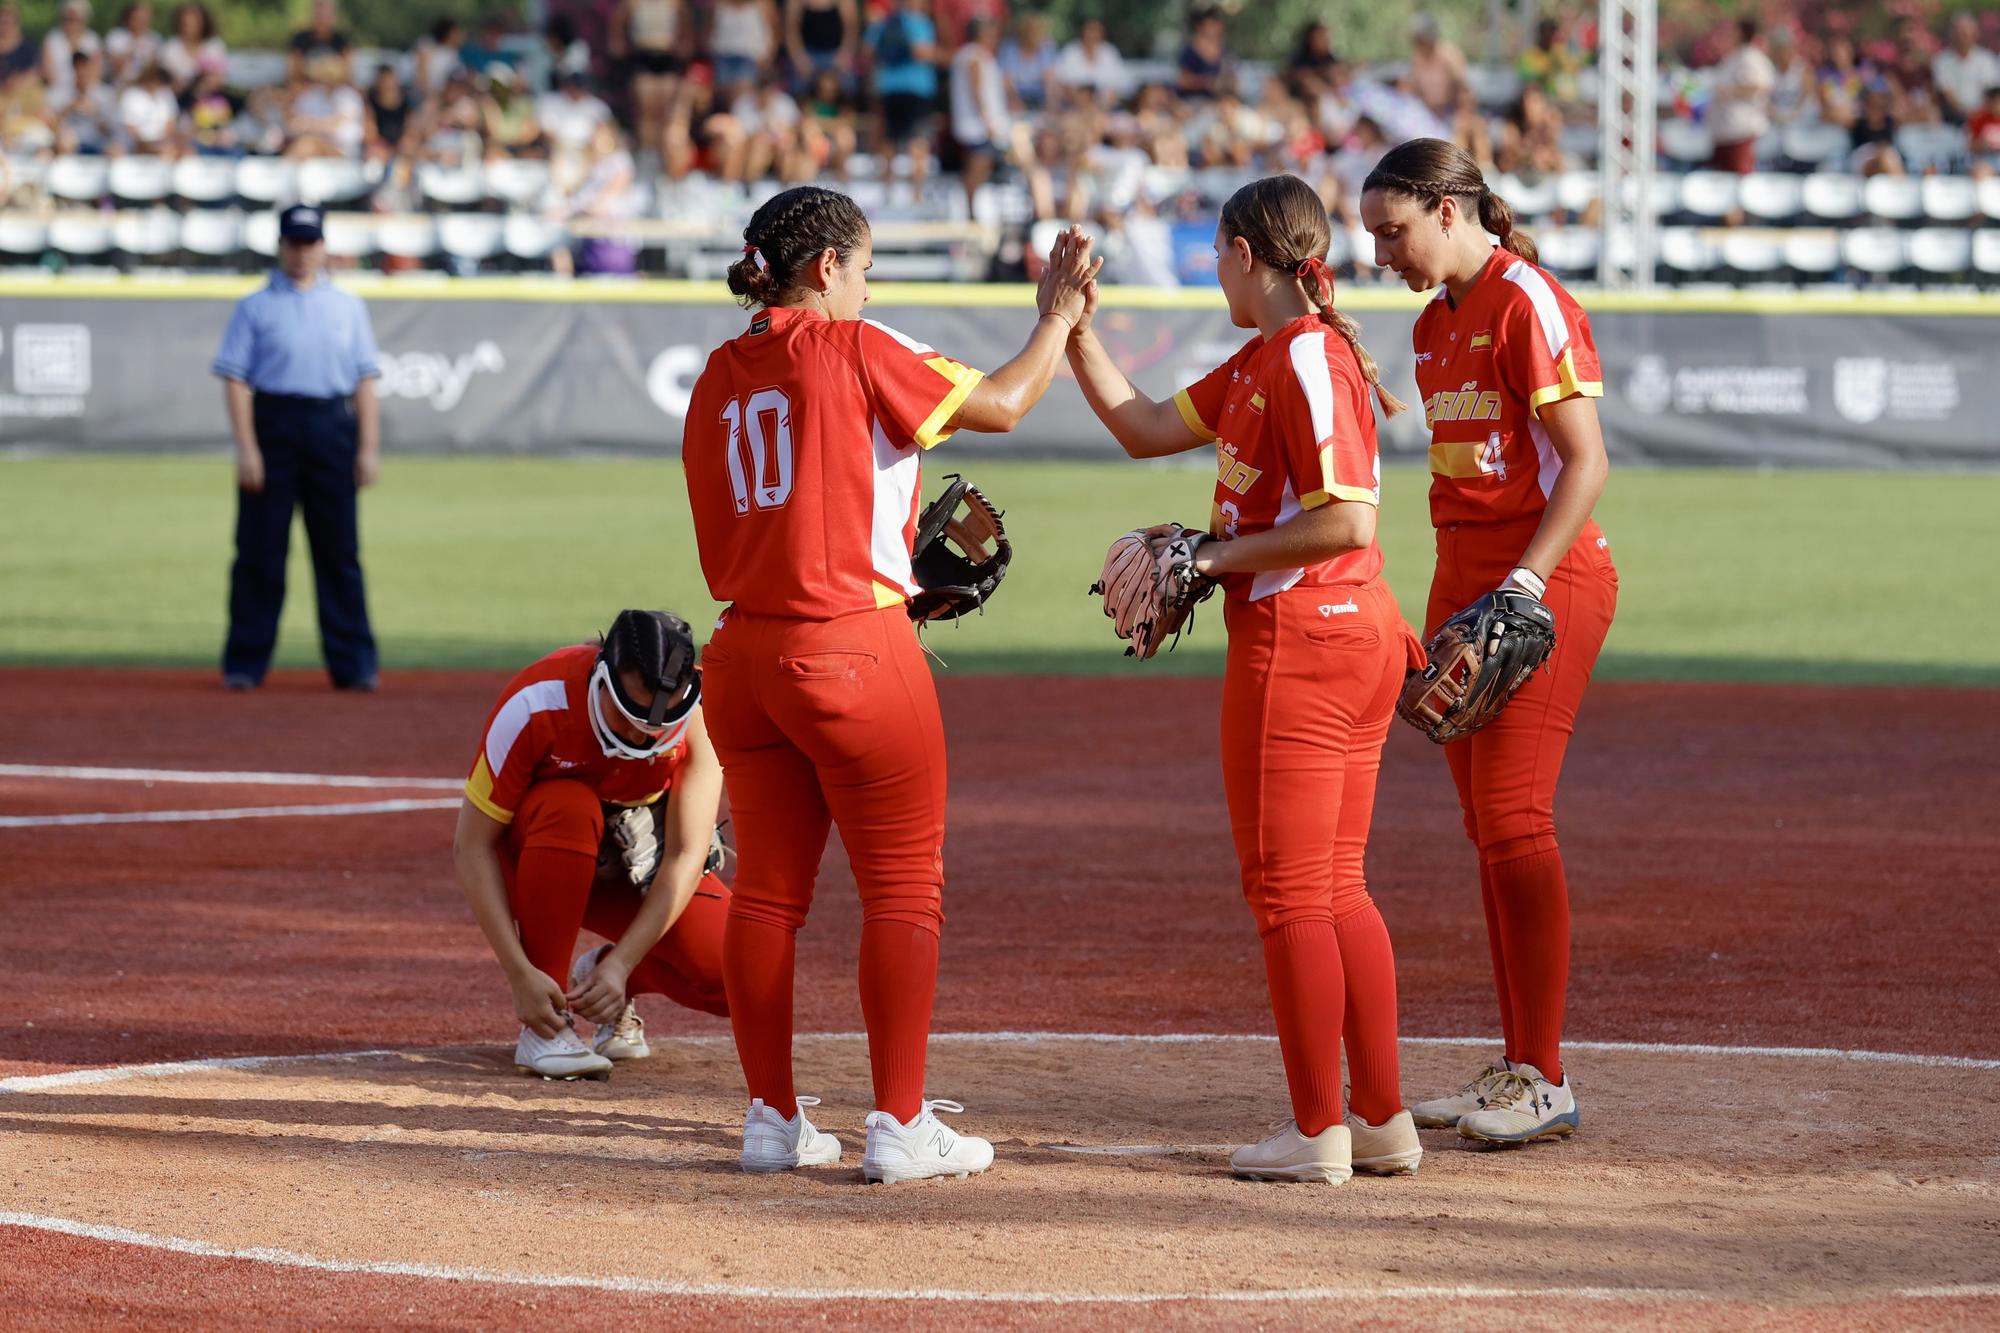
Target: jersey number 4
(760, 449)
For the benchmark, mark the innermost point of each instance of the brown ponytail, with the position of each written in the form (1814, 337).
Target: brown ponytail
(792, 228)
(1428, 170)
(1286, 227)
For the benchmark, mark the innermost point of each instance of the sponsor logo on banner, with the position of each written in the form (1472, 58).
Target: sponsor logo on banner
(670, 379)
(436, 378)
(1750, 391)
(1868, 388)
(51, 371)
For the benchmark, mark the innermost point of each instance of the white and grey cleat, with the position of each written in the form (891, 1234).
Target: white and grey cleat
(620, 1041)
(1522, 1108)
(1291, 1155)
(772, 1143)
(563, 1056)
(922, 1149)
(1388, 1149)
(1444, 1112)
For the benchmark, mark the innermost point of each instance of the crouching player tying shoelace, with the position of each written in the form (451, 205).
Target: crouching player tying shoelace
(592, 804)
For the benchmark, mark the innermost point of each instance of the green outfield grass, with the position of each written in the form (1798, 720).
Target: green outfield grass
(1726, 575)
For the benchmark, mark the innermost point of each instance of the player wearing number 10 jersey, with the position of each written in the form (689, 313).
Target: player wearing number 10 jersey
(802, 447)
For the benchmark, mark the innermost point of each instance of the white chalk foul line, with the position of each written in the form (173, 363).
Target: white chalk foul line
(238, 812)
(666, 1287)
(222, 779)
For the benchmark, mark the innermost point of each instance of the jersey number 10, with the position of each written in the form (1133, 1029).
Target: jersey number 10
(760, 449)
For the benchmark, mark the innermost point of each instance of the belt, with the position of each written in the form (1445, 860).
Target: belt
(299, 399)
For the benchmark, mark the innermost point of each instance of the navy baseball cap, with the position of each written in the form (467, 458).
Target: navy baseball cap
(302, 222)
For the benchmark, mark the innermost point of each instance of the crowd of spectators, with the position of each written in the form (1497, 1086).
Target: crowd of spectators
(792, 89)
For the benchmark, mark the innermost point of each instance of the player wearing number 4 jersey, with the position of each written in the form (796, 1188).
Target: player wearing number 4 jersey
(1317, 653)
(1507, 368)
(802, 447)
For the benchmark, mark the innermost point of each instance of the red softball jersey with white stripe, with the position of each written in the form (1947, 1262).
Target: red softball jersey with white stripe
(802, 446)
(1486, 370)
(540, 731)
(1294, 429)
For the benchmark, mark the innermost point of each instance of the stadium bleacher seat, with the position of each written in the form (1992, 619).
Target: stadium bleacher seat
(1576, 191)
(139, 180)
(1815, 144)
(1772, 197)
(1875, 253)
(350, 235)
(1831, 198)
(212, 233)
(1893, 198)
(1570, 252)
(266, 182)
(1709, 196)
(518, 182)
(1931, 147)
(407, 238)
(1531, 198)
(24, 238)
(529, 239)
(1950, 198)
(451, 187)
(1986, 256)
(1685, 143)
(80, 235)
(470, 239)
(334, 182)
(1580, 141)
(1941, 254)
(1750, 257)
(146, 235)
(77, 180)
(205, 182)
(260, 234)
(1813, 256)
(1684, 255)
(1989, 198)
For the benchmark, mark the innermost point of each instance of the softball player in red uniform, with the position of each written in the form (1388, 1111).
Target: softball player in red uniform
(801, 452)
(1317, 654)
(585, 731)
(1508, 370)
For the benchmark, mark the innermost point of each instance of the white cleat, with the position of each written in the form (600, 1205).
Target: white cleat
(1444, 1112)
(773, 1143)
(561, 1056)
(1327, 1156)
(924, 1148)
(1523, 1108)
(623, 1040)
(1388, 1149)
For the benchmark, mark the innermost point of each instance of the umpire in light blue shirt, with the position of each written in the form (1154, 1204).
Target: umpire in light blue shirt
(298, 369)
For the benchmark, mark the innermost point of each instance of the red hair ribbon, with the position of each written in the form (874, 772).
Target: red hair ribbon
(1317, 272)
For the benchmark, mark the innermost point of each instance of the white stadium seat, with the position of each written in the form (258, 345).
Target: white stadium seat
(1813, 256)
(1986, 254)
(407, 237)
(260, 234)
(1772, 196)
(1577, 190)
(1989, 198)
(82, 180)
(212, 233)
(1685, 143)
(1710, 195)
(350, 235)
(530, 239)
(148, 234)
(205, 181)
(269, 181)
(23, 235)
(1580, 141)
(518, 182)
(1570, 252)
(1832, 197)
(1875, 252)
(1814, 144)
(1530, 199)
(1685, 255)
(334, 181)
(451, 187)
(141, 180)
(471, 238)
(80, 235)
(1893, 198)
(1941, 252)
(1931, 147)
(1950, 198)
(1752, 256)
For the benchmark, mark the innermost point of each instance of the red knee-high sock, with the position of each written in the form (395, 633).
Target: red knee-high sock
(551, 886)
(1308, 995)
(757, 960)
(899, 964)
(1370, 967)
(1533, 901)
(1495, 945)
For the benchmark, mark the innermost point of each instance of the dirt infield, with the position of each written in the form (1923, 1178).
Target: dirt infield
(1734, 886)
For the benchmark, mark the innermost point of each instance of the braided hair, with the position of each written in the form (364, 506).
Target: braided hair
(1286, 227)
(792, 228)
(657, 644)
(1427, 170)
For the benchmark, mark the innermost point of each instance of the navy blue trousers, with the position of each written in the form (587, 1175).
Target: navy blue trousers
(309, 446)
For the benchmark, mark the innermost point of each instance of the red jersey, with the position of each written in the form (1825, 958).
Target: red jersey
(801, 453)
(540, 731)
(1486, 370)
(1293, 429)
